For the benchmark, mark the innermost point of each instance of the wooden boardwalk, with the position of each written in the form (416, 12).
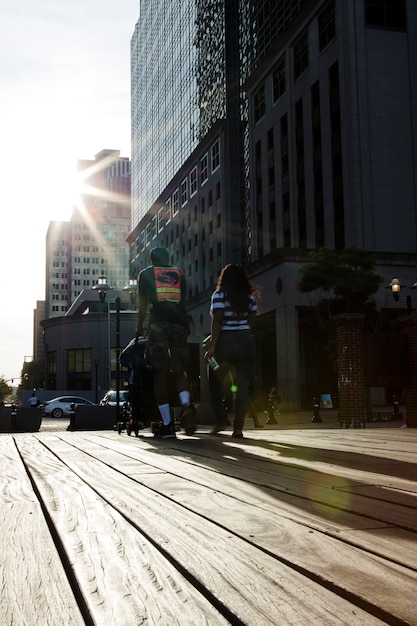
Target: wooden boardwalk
(292, 527)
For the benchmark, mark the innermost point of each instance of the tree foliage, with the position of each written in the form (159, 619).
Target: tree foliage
(5, 389)
(32, 375)
(347, 276)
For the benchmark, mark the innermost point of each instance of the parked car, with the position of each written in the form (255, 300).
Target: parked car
(110, 398)
(61, 406)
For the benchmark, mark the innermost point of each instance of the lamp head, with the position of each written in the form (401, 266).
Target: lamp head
(132, 288)
(395, 288)
(102, 287)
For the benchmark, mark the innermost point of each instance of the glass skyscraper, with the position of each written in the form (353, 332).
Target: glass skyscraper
(165, 117)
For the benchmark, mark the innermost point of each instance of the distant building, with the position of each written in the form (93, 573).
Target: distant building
(38, 343)
(93, 242)
(81, 345)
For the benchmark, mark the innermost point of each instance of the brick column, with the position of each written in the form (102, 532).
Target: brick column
(350, 362)
(409, 325)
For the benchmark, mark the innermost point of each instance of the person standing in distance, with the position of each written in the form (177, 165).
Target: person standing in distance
(162, 292)
(233, 311)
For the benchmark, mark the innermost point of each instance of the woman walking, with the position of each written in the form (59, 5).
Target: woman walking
(233, 312)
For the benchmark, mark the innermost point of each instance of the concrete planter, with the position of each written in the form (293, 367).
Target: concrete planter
(25, 420)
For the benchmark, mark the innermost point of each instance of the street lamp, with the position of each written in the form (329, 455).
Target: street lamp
(102, 287)
(132, 288)
(96, 364)
(396, 286)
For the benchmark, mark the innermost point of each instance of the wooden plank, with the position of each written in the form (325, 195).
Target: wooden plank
(33, 582)
(123, 578)
(292, 546)
(340, 490)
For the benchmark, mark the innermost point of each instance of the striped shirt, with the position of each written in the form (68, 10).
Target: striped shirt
(232, 320)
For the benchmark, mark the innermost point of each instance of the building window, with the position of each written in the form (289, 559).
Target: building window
(142, 240)
(301, 55)
(79, 369)
(193, 182)
(204, 169)
(154, 226)
(215, 156)
(168, 211)
(278, 79)
(259, 104)
(184, 192)
(327, 26)
(148, 234)
(386, 14)
(161, 213)
(175, 203)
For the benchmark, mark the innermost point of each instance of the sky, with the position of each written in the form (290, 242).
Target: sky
(65, 95)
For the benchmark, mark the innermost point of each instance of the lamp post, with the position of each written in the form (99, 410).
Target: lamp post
(96, 364)
(102, 287)
(132, 288)
(409, 325)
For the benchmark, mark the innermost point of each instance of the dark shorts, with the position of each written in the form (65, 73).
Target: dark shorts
(168, 347)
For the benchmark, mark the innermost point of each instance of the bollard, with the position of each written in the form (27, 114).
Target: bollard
(13, 414)
(271, 412)
(71, 425)
(396, 413)
(316, 419)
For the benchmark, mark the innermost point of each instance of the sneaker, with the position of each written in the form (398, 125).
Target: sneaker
(166, 431)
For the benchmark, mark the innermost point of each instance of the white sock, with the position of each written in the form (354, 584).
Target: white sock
(184, 398)
(165, 413)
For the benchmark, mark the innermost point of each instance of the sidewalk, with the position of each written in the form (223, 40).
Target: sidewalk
(303, 419)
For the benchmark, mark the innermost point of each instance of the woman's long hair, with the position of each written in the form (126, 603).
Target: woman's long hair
(237, 288)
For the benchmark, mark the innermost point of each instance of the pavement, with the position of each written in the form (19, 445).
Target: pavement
(329, 419)
(285, 421)
(306, 419)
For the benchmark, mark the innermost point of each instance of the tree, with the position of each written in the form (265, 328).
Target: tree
(347, 275)
(5, 389)
(32, 375)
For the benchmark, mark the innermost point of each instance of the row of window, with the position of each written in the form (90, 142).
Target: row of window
(327, 32)
(383, 13)
(86, 270)
(209, 162)
(386, 14)
(390, 14)
(272, 191)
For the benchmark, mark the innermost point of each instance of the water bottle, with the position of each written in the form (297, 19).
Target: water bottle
(213, 364)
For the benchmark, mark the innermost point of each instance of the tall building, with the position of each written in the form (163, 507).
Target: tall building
(186, 94)
(77, 329)
(165, 113)
(93, 242)
(298, 130)
(333, 113)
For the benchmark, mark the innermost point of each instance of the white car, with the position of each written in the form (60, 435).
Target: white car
(110, 398)
(60, 407)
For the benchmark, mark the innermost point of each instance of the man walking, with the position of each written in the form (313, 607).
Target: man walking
(162, 292)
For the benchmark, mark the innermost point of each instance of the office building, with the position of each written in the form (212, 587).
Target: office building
(308, 140)
(93, 242)
(78, 335)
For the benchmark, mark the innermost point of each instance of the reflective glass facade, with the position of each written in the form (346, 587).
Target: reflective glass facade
(164, 97)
